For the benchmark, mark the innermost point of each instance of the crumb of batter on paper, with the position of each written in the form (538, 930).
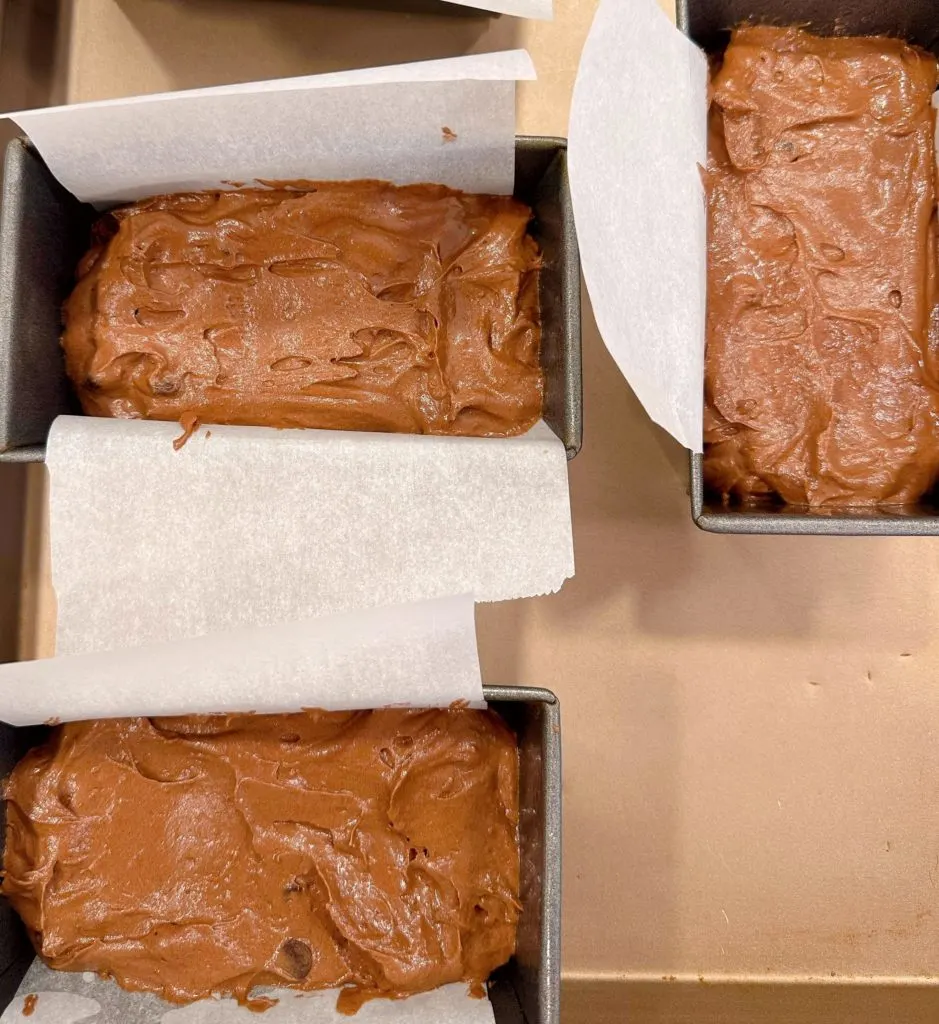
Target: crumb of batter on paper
(459, 704)
(351, 1000)
(190, 424)
(449, 135)
(208, 434)
(29, 1004)
(55, 720)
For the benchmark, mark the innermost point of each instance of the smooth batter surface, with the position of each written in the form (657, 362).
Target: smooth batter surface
(821, 375)
(184, 856)
(357, 306)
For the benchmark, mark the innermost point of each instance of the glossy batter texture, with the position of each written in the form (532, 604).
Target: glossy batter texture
(184, 856)
(356, 306)
(821, 370)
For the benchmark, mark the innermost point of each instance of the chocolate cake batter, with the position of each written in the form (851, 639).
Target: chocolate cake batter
(184, 856)
(357, 306)
(822, 382)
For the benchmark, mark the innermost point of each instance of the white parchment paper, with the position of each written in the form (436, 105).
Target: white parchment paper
(422, 654)
(250, 526)
(541, 10)
(638, 133)
(375, 123)
(85, 999)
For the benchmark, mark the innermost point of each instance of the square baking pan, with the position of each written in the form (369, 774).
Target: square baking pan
(708, 23)
(44, 230)
(524, 991)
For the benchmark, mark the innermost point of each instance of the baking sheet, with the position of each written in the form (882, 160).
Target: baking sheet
(421, 654)
(83, 998)
(251, 526)
(646, 863)
(636, 143)
(383, 123)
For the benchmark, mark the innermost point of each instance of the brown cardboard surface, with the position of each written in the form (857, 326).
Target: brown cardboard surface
(667, 1001)
(751, 725)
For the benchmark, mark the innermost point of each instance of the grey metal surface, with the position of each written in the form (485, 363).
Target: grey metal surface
(533, 977)
(526, 990)
(710, 514)
(42, 233)
(541, 181)
(708, 23)
(44, 230)
(16, 951)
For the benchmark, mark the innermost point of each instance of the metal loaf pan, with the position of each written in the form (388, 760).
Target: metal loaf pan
(708, 23)
(44, 230)
(527, 989)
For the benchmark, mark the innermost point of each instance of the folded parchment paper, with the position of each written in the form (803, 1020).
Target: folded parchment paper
(420, 654)
(638, 133)
(540, 9)
(374, 123)
(248, 526)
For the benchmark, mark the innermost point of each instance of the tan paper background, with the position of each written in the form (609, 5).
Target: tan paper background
(751, 748)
